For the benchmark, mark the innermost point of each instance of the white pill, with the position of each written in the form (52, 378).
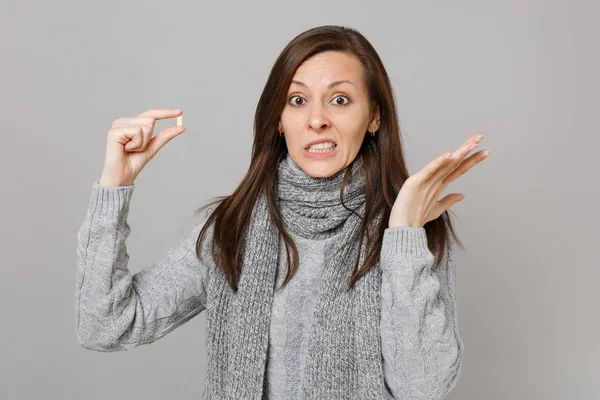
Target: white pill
(180, 120)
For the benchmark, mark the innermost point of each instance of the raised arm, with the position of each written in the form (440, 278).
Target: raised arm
(115, 310)
(421, 347)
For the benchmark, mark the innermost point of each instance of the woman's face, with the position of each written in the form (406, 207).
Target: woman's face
(319, 107)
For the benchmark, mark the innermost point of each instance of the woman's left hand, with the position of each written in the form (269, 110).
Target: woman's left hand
(417, 202)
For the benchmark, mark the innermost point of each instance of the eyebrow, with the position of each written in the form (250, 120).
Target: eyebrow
(332, 84)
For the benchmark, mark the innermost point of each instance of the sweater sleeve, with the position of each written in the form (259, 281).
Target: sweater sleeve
(422, 349)
(115, 310)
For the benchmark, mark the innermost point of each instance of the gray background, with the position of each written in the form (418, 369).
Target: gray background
(523, 73)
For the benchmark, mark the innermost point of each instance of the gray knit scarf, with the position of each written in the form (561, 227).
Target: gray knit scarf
(344, 360)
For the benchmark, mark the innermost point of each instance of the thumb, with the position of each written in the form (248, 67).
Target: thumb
(447, 201)
(164, 137)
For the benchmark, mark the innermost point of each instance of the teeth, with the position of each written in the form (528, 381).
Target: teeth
(322, 146)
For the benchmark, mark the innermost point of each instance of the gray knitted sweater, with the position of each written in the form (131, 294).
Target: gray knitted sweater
(116, 310)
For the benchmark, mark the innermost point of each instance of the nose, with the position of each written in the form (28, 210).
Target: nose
(318, 119)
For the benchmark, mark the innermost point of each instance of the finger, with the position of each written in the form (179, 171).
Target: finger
(135, 121)
(147, 130)
(459, 154)
(466, 148)
(156, 114)
(141, 123)
(137, 118)
(164, 137)
(430, 169)
(124, 134)
(446, 160)
(136, 143)
(456, 158)
(130, 137)
(466, 165)
(161, 113)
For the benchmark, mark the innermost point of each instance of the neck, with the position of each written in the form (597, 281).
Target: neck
(312, 207)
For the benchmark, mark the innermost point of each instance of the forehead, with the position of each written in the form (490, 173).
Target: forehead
(327, 67)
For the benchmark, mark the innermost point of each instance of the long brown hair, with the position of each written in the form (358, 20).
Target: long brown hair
(385, 169)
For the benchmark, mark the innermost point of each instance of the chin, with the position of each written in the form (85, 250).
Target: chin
(320, 169)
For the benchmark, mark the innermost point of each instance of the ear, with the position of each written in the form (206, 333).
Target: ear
(374, 125)
(280, 126)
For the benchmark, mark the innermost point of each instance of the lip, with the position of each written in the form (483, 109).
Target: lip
(320, 141)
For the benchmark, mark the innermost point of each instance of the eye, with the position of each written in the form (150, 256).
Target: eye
(342, 97)
(291, 97)
(337, 103)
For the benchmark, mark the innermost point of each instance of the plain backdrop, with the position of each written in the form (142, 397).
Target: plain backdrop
(522, 73)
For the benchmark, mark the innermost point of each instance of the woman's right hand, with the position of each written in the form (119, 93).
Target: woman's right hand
(130, 145)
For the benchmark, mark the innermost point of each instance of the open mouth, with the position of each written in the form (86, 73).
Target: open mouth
(329, 147)
(320, 153)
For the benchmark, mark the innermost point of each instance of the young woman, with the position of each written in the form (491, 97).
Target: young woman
(326, 274)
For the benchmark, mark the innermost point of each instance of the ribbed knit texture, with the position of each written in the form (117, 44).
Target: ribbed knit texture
(292, 317)
(415, 348)
(311, 208)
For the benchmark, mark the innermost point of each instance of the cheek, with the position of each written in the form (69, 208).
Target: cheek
(351, 125)
(353, 136)
(291, 121)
